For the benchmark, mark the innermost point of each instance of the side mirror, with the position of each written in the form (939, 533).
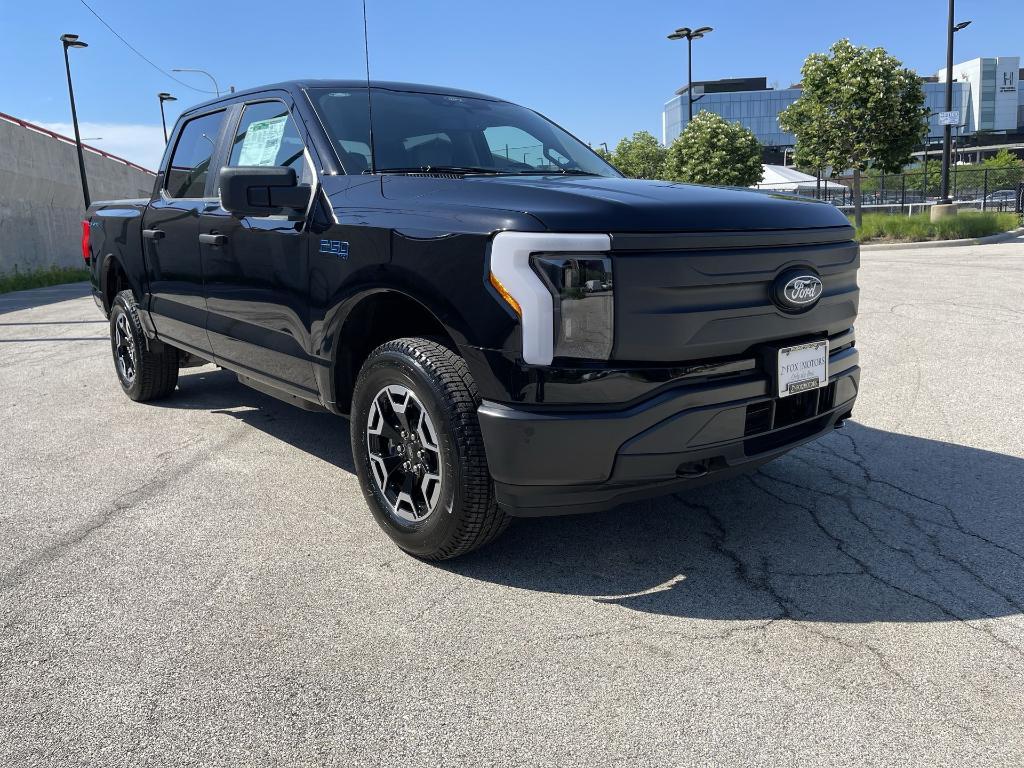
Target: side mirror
(262, 191)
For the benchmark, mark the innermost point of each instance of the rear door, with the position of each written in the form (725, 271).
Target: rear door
(170, 235)
(256, 268)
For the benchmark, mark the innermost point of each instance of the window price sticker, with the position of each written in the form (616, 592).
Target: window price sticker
(262, 142)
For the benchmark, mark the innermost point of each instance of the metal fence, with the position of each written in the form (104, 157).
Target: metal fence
(986, 189)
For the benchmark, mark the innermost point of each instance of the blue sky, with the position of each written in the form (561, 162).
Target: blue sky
(602, 69)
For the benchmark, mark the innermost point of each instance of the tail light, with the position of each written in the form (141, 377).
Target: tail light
(86, 250)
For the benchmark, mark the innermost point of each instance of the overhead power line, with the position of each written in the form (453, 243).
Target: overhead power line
(140, 54)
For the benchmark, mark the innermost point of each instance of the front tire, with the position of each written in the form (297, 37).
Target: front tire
(419, 453)
(145, 370)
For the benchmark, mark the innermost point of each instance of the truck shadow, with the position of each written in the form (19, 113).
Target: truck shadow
(863, 525)
(319, 434)
(41, 297)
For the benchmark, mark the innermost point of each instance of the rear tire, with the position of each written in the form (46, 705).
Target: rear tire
(419, 453)
(146, 370)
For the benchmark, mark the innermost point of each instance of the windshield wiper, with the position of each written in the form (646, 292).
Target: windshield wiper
(559, 172)
(441, 169)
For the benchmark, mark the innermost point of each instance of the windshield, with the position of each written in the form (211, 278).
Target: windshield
(423, 132)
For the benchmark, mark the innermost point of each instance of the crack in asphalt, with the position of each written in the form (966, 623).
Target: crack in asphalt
(957, 525)
(912, 554)
(739, 565)
(853, 492)
(873, 574)
(913, 521)
(22, 570)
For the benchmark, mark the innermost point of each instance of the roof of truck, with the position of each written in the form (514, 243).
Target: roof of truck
(289, 85)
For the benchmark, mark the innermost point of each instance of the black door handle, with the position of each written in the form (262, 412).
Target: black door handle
(213, 239)
(153, 234)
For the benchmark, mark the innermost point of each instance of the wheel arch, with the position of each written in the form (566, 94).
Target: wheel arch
(114, 279)
(368, 320)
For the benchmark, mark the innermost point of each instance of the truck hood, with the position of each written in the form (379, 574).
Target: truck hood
(591, 203)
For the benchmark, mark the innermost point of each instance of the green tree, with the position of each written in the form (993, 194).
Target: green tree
(860, 108)
(640, 156)
(713, 150)
(1005, 170)
(604, 154)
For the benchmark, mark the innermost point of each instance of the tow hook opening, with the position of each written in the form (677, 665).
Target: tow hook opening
(841, 421)
(693, 469)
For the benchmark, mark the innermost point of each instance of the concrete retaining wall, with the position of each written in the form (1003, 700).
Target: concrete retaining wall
(41, 204)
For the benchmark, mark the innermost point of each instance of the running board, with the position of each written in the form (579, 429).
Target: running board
(287, 397)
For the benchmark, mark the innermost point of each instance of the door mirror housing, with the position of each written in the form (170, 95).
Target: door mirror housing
(262, 191)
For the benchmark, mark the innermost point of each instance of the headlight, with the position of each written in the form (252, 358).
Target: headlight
(560, 285)
(584, 303)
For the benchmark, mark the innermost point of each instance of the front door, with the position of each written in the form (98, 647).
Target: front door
(256, 268)
(170, 237)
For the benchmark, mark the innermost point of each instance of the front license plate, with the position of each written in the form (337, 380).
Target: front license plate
(802, 368)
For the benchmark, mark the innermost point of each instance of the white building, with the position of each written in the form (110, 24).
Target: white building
(994, 95)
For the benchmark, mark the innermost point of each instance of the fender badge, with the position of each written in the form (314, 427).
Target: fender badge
(335, 248)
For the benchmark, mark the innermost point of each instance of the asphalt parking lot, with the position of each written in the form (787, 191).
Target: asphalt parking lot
(198, 582)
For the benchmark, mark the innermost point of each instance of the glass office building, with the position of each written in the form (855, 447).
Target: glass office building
(757, 110)
(986, 91)
(935, 102)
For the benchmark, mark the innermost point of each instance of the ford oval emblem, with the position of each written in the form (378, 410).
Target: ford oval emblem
(797, 289)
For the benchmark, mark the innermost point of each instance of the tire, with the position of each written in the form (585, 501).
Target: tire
(146, 370)
(448, 507)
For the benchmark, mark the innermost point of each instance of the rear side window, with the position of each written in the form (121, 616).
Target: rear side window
(267, 135)
(190, 163)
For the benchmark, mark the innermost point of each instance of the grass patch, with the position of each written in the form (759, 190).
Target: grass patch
(40, 278)
(966, 224)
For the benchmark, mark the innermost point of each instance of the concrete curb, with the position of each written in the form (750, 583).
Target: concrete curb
(999, 238)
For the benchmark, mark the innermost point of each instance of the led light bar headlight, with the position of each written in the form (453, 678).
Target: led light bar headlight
(583, 307)
(560, 285)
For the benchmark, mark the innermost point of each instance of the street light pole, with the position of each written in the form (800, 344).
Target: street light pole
(947, 130)
(685, 33)
(164, 97)
(689, 77)
(72, 41)
(202, 72)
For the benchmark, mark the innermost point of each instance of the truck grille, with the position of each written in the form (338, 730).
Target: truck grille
(681, 298)
(783, 420)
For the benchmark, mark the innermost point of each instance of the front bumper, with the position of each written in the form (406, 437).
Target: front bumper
(553, 462)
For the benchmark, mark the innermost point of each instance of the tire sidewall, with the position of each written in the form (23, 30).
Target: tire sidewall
(133, 390)
(393, 367)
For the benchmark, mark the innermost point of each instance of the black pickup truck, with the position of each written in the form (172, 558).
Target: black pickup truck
(511, 327)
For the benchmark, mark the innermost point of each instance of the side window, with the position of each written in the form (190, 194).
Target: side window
(190, 163)
(267, 135)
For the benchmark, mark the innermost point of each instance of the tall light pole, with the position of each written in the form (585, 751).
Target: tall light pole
(685, 33)
(947, 130)
(202, 72)
(164, 97)
(72, 41)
